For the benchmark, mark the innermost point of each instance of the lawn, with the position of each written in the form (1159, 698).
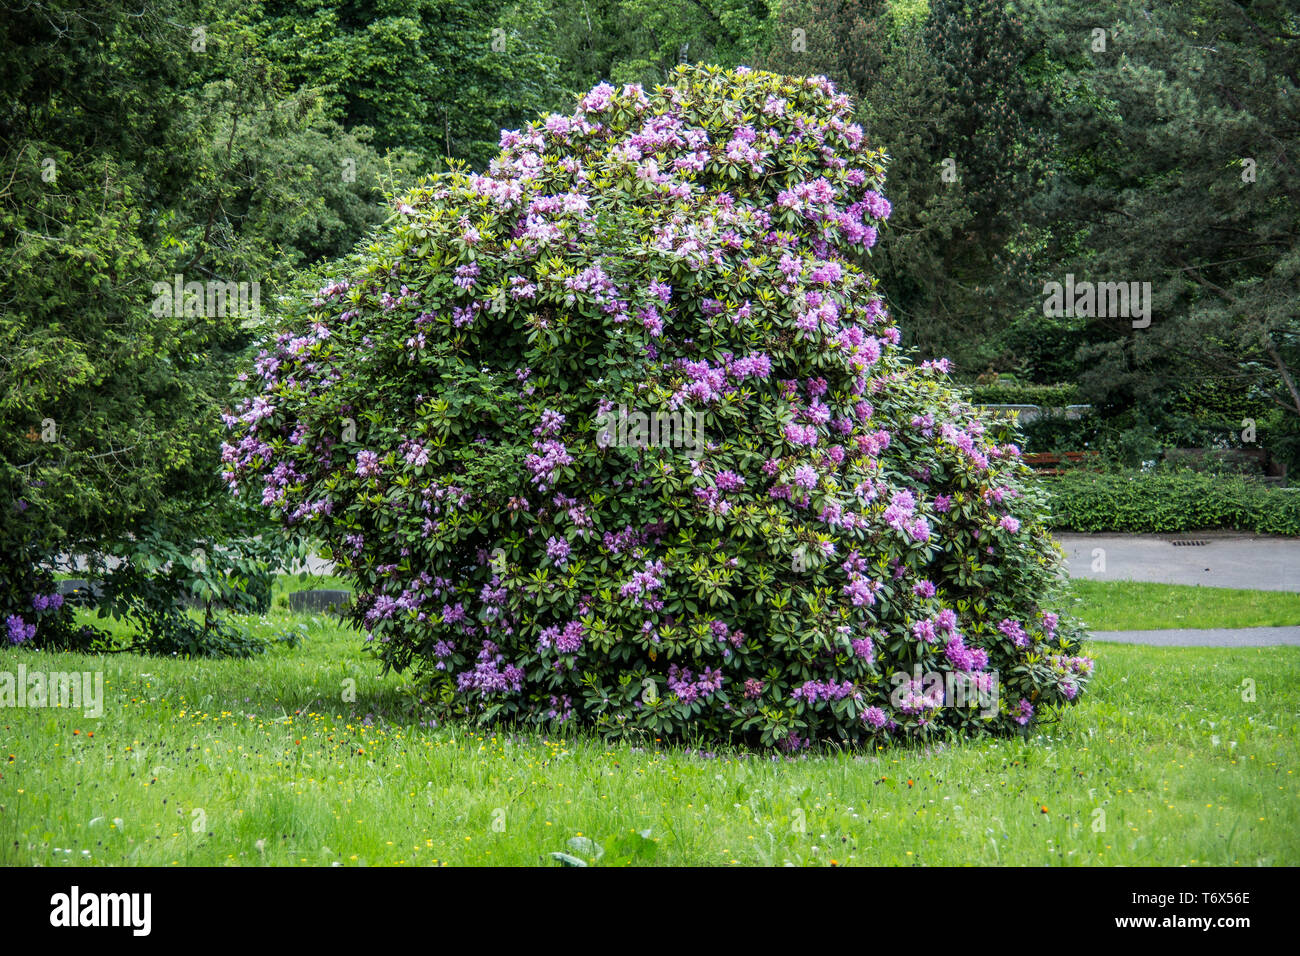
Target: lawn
(1166, 761)
(1139, 606)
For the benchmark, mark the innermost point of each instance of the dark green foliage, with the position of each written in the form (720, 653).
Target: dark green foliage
(1159, 502)
(945, 95)
(438, 76)
(643, 41)
(1176, 157)
(1007, 393)
(135, 150)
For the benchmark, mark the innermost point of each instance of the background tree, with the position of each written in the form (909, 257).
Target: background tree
(640, 41)
(442, 77)
(942, 89)
(1177, 133)
(138, 143)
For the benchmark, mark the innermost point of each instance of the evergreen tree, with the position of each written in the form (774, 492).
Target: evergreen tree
(442, 77)
(139, 142)
(943, 91)
(1177, 136)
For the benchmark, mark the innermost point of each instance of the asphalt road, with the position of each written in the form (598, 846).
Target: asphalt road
(1216, 637)
(1226, 560)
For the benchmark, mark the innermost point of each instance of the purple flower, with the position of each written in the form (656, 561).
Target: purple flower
(805, 476)
(546, 467)
(19, 630)
(599, 99)
(550, 424)
(570, 639)
(1014, 630)
(1025, 712)
(813, 691)
(958, 654)
(557, 549)
(382, 609)
(863, 649)
(797, 434)
(689, 689)
(861, 591)
(368, 464)
(488, 678)
(466, 275)
(874, 716)
(877, 206)
(728, 481)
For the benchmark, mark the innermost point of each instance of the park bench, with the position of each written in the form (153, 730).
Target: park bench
(1057, 463)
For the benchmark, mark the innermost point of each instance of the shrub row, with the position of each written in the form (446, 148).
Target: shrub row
(1005, 393)
(1171, 501)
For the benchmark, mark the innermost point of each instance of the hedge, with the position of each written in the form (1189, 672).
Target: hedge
(1046, 396)
(1169, 502)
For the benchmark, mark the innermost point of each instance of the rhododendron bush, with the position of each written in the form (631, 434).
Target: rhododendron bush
(834, 547)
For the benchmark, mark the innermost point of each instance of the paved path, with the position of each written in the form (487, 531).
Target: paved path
(1227, 560)
(1218, 637)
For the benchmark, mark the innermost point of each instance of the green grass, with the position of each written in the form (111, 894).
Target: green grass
(1138, 606)
(1163, 752)
(286, 584)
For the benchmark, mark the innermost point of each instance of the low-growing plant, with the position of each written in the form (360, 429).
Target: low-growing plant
(32, 611)
(619, 432)
(177, 594)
